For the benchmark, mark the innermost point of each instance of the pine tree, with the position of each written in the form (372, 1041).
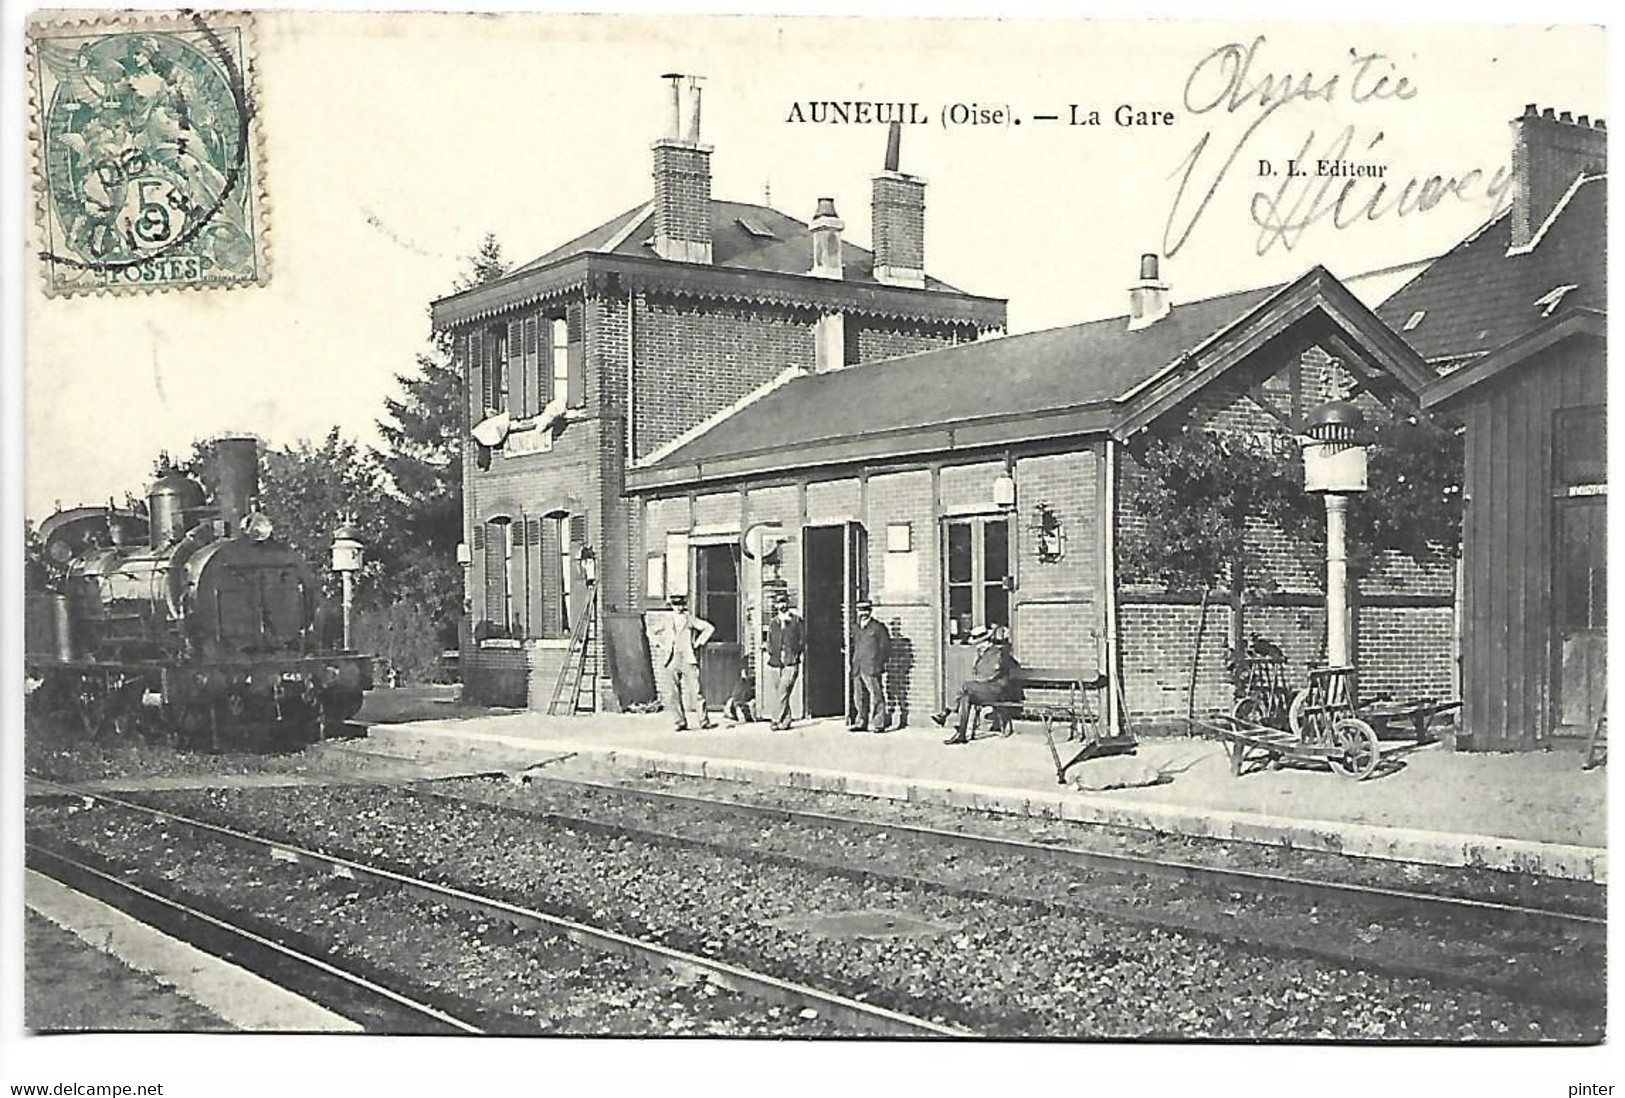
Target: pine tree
(422, 455)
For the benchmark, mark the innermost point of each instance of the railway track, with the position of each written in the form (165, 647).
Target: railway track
(1377, 900)
(1446, 912)
(839, 1009)
(363, 999)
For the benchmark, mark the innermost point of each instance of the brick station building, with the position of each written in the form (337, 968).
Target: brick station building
(597, 356)
(984, 484)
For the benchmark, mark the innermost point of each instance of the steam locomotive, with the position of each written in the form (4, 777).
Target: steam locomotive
(192, 622)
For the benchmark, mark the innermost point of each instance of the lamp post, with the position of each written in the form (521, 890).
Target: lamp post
(1334, 466)
(347, 555)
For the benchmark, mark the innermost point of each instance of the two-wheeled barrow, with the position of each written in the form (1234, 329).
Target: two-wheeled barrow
(1325, 723)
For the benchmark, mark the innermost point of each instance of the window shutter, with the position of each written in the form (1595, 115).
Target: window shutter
(479, 538)
(577, 358)
(531, 386)
(514, 399)
(535, 610)
(551, 581)
(578, 529)
(496, 577)
(476, 377)
(490, 359)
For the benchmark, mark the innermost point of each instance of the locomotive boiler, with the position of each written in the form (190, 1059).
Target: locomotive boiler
(193, 622)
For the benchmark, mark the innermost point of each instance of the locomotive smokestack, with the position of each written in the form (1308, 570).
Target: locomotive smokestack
(237, 477)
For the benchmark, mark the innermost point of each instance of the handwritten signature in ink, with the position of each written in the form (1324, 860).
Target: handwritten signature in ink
(1230, 81)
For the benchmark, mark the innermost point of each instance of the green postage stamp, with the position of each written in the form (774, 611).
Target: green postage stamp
(147, 167)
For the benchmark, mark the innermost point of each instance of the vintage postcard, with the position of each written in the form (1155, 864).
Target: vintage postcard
(877, 530)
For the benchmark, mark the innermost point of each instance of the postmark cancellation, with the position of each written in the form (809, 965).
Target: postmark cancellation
(147, 166)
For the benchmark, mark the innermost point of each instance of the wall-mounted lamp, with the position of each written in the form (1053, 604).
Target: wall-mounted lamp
(465, 556)
(1049, 537)
(1004, 491)
(589, 564)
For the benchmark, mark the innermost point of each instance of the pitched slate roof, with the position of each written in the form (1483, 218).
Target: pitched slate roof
(788, 250)
(1478, 297)
(1039, 372)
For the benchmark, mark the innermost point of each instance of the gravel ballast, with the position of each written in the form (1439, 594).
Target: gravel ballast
(1003, 969)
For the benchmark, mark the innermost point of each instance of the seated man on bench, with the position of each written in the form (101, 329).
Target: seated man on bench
(988, 682)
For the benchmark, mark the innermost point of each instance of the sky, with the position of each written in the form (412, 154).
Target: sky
(392, 144)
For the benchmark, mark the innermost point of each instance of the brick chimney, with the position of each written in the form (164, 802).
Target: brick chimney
(1549, 151)
(682, 176)
(898, 210)
(826, 240)
(1148, 298)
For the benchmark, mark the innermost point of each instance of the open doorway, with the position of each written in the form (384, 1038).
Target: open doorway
(716, 599)
(833, 566)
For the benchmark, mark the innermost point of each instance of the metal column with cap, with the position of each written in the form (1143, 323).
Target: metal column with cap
(1334, 465)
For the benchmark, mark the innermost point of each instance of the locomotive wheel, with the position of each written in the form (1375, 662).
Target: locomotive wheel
(95, 711)
(1358, 751)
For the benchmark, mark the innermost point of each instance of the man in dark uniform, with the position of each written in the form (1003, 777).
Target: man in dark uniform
(989, 678)
(786, 641)
(871, 644)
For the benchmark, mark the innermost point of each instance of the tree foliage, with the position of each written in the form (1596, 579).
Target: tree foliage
(421, 455)
(1196, 493)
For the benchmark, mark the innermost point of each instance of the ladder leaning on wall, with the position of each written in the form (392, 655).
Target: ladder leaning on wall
(577, 688)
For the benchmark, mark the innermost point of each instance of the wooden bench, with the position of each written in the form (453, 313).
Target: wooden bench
(1077, 702)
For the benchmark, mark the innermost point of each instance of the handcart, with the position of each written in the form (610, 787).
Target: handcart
(1325, 722)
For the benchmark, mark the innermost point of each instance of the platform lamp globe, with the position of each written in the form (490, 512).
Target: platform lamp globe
(1334, 466)
(348, 552)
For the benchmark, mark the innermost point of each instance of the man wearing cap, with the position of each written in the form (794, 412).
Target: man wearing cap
(679, 661)
(871, 644)
(786, 642)
(988, 680)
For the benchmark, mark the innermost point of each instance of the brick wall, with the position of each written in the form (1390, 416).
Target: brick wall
(832, 501)
(869, 340)
(682, 192)
(693, 361)
(898, 221)
(904, 588)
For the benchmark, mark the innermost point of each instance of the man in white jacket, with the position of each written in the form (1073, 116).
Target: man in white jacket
(679, 663)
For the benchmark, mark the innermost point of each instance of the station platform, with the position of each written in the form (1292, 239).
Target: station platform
(1535, 812)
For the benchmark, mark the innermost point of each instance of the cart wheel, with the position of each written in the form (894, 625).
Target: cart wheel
(1247, 711)
(1357, 747)
(1294, 712)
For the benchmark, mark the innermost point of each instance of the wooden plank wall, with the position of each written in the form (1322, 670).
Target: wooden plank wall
(1508, 672)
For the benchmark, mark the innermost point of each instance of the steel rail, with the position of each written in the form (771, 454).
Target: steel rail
(1435, 904)
(1273, 945)
(762, 986)
(246, 948)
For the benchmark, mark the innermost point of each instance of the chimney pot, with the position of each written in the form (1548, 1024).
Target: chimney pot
(1549, 113)
(1600, 124)
(694, 123)
(674, 125)
(1148, 300)
(828, 258)
(1585, 120)
(1566, 116)
(1530, 110)
(894, 141)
